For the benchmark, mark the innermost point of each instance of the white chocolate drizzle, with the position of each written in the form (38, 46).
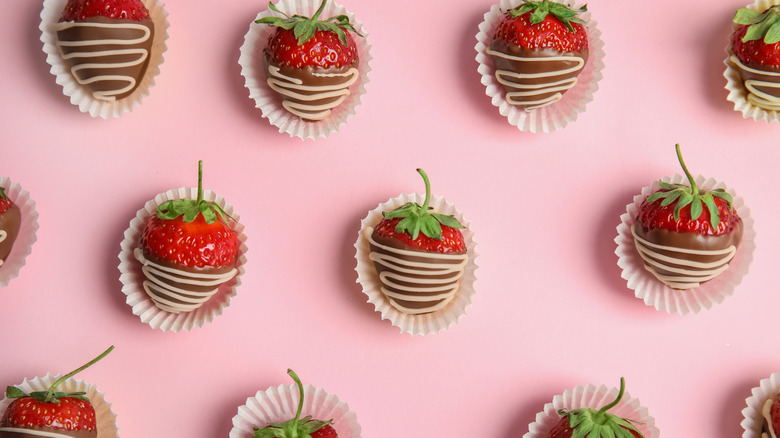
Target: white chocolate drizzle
(513, 79)
(287, 87)
(756, 96)
(42, 433)
(400, 271)
(692, 273)
(141, 56)
(766, 412)
(159, 288)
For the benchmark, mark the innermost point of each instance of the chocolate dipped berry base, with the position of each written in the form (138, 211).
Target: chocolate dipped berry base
(756, 55)
(10, 223)
(420, 256)
(687, 235)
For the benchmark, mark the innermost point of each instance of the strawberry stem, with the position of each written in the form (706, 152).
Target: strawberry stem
(427, 189)
(319, 11)
(694, 189)
(300, 397)
(50, 393)
(622, 390)
(200, 181)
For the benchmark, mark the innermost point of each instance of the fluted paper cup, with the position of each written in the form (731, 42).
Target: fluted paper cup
(753, 415)
(27, 230)
(424, 324)
(105, 417)
(738, 94)
(554, 116)
(132, 278)
(655, 293)
(269, 101)
(595, 398)
(279, 404)
(80, 95)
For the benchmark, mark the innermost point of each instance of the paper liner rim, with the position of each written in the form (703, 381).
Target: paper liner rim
(279, 403)
(592, 397)
(79, 95)
(131, 276)
(554, 116)
(425, 324)
(266, 99)
(753, 419)
(28, 229)
(105, 417)
(663, 298)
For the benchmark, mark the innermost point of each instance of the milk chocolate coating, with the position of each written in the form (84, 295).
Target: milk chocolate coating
(185, 286)
(98, 34)
(747, 75)
(535, 67)
(694, 241)
(10, 222)
(308, 77)
(395, 243)
(68, 433)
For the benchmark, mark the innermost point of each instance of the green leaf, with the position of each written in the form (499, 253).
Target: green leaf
(14, 392)
(671, 197)
(709, 201)
(696, 208)
(720, 193)
(430, 227)
(757, 31)
(447, 220)
(747, 16)
(538, 15)
(773, 34)
(685, 199)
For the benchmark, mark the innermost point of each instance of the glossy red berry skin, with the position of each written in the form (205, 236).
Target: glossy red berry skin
(323, 50)
(326, 431)
(451, 242)
(654, 216)
(195, 244)
(563, 430)
(756, 53)
(80, 10)
(70, 414)
(550, 33)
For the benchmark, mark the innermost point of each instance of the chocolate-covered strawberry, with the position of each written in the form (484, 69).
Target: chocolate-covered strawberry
(310, 62)
(106, 44)
(188, 249)
(10, 222)
(770, 410)
(756, 55)
(50, 413)
(298, 427)
(687, 235)
(539, 49)
(420, 256)
(592, 423)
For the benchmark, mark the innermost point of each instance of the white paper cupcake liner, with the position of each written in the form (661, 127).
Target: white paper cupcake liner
(554, 116)
(132, 278)
(753, 420)
(280, 403)
(27, 231)
(425, 324)
(736, 87)
(269, 102)
(655, 293)
(596, 398)
(105, 417)
(79, 95)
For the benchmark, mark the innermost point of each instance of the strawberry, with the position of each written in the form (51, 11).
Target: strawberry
(756, 55)
(687, 235)
(310, 62)
(774, 417)
(191, 232)
(51, 412)
(440, 233)
(539, 49)
(297, 427)
(80, 10)
(591, 423)
(10, 222)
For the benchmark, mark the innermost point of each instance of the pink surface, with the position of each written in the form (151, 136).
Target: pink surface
(550, 312)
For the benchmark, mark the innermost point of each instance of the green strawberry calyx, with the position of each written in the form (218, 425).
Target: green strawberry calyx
(591, 423)
(691, 195)
(540, 9)
(295, 428)
(51, 395)
(764, 25)
(2, 194)
(417, 218)
(191, 208)
(304, 27)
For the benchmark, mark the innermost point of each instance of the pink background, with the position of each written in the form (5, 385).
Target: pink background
(551, 311)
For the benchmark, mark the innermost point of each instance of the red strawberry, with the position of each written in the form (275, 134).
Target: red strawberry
(79, 10)
(10, 222)
(687, 235)
(297, 427)
(191, 232)
(756, 48)
(188, 249)
(774, 416)
(590, 423)
(538, 50)
(68, 414)
(310, 62)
